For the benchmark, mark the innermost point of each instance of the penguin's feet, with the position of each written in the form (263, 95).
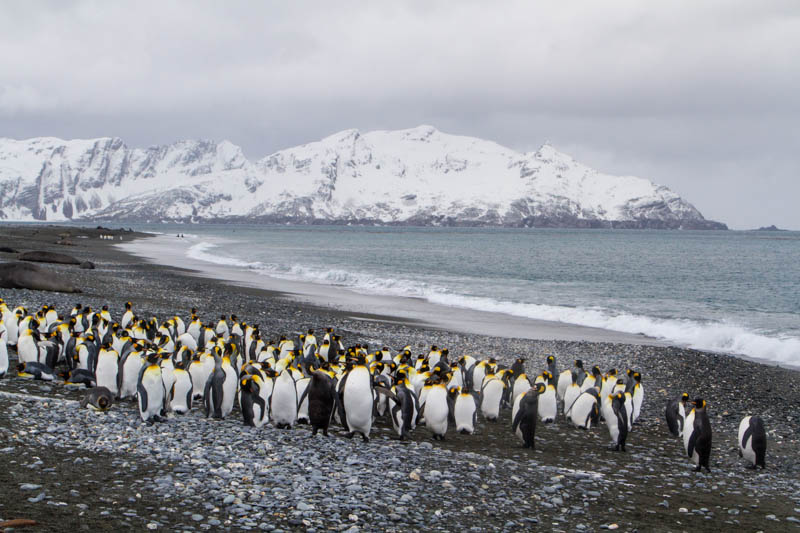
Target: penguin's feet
(364, 438)
(698, 469)
(350, 435)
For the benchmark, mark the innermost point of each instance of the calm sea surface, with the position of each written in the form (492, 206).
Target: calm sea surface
(728, 291)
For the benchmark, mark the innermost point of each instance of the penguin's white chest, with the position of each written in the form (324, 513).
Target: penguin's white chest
(106, 372)
(547, 405)
(358, 400)
(464, 413)
(492, 394)
(436, 411)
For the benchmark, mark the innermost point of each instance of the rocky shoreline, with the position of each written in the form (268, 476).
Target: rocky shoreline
(100, 471)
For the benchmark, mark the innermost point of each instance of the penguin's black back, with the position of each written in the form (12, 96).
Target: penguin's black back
(671, 414)
(759, 435)
(702, 446)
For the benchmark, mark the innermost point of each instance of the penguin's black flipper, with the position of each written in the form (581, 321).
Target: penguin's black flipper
(142, 397)
(517, 420)
(747, 434)
(692, 444)
(385, 392)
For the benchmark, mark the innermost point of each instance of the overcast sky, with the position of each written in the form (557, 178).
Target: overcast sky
(703, 97)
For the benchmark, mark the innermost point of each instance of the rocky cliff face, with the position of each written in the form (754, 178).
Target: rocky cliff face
(419, 176)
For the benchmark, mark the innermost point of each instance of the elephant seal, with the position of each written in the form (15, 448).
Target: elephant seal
(48, 257)
(28, 276)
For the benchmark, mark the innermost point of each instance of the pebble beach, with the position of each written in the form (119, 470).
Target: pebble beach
(72, 468)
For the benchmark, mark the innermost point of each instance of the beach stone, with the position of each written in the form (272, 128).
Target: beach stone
(29, 486)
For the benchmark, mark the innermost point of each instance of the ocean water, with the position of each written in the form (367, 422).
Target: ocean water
(732, 292)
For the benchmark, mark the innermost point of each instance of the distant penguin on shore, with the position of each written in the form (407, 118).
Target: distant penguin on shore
(524, 422)
(753, 441)
(697, 435)
(283, 404)
(255, 410)
(617, 420)
(3, 350)
(675, 413)
(585, 410)
(321, 398)
(150, 389)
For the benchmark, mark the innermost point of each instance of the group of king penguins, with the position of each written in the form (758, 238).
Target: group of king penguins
(168, 367)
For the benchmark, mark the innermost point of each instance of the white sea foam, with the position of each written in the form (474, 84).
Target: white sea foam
(701, 335)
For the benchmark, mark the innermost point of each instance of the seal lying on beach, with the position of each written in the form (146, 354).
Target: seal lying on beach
(48, 257)
(27, 276)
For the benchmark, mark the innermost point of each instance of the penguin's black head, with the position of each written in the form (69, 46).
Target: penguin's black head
(685, 397)
(128, 306)
(21, 367)
(612, 372)
(550, 359)
(578, 363)
(454, 391)
(699, 403)
(105, 308)
(540, 388)
(102, 402)
(637, 376)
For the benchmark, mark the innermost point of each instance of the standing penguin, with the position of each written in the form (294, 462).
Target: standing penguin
(753, 441)
(357, 400)
(3, 350)
(150, 388)
(320, 395)
(283, 404)
(697, 435)
(180, 395)
(254, 405)
(524, 423)
(404, 408)
(547, 403)
(213, 393)
(675, 414)
(617, 420)
(638, 396)
(437, 410)
(491, 396)
(465, 411)
(107, 368)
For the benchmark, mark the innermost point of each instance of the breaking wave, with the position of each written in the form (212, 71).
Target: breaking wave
(702, 335)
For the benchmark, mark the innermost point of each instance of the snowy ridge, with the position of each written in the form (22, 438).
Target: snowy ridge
(416, 176)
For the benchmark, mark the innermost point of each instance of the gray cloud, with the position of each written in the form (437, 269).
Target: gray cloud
(701, 98)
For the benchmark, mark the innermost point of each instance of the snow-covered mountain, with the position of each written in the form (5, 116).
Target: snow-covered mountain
(416, 176)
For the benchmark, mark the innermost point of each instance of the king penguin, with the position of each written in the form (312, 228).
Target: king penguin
(465, 411)
(150, 388)
(283, 404)
(437, 410)
(585, 410)
(697, 435)
(524, 422)
(617, 420)
(753, 441)
(180, 396)
(254, 405)
(675, 413)
(321, 397)
(3, 350)
(357, 400)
